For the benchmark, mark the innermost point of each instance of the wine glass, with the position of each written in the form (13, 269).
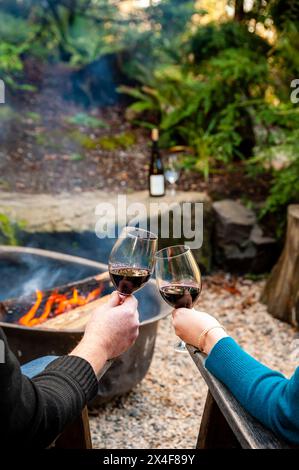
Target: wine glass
(132, 260)
(172, 172)
(178, 278)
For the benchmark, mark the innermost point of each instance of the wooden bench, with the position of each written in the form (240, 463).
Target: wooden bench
(225, 424)
(76, 435)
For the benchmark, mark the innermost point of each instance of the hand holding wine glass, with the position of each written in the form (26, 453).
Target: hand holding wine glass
(178, 278)
(131, 261)
(190, 325)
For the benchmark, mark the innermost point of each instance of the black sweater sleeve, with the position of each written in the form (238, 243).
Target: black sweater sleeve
(33, 412)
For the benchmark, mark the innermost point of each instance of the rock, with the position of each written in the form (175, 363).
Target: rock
(238, 241)
(266, 251)
(202, 254)
(70, 217)
(234, 222)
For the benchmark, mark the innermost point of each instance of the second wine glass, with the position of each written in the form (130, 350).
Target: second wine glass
(132, 259)
(178, 278)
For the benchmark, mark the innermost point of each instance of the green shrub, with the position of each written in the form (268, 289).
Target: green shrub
(9, 230)
(123, 141)
(83, 140)
(7, 113)
(13, 29)
(277, 153)
(85, 120)
(212, 39)
(285, 189)
(208, 108)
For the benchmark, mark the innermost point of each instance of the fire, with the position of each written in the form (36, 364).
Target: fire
(56, 304)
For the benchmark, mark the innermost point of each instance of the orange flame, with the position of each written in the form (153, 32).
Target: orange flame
(56, 304)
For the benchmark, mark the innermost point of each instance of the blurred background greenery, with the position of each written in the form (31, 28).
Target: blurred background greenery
(213, 75)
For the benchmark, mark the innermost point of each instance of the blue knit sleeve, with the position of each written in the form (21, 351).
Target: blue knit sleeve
(264, 393)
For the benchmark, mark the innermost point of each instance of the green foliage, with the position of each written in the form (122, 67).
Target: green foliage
(15, 36)
(10, 62)
(13, 29)
(83, 140)
(220, 90)
(42, 139)
(85, 120)
(277, 152)
(206, 106)
(76, 157)
(7, 114)
(33, 116)
(123, 141)
(285, 13)
(211, 39)
(285, 189)
(9, 230)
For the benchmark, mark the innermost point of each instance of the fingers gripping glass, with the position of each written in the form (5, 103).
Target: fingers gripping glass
(132, 259)
(178, 278)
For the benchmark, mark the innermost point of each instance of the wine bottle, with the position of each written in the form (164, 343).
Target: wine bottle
(156, 171)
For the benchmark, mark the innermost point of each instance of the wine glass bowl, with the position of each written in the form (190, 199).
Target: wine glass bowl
(131, 260)
(178, 278)
(172, 172)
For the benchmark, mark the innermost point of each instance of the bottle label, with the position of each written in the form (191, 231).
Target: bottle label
(157, 185)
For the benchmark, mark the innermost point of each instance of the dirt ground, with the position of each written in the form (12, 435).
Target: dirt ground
(46, 146)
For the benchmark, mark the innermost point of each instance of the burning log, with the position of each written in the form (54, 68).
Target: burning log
(35, 309)
(74, 320)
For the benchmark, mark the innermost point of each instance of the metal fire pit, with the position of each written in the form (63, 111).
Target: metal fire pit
(127, 370)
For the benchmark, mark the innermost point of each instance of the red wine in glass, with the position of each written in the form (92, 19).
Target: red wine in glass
(127, 279)
(178, 278)
(132, 259)
(180, 295)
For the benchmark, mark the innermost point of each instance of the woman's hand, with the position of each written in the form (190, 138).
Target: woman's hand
(190, 323)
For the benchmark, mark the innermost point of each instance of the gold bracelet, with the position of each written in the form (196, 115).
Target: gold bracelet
(205, 332)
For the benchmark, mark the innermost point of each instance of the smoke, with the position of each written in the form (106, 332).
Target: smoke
(42, 278)
(27, 273)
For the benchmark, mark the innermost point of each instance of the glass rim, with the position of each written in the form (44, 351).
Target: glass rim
(152, 235)
(185, 247)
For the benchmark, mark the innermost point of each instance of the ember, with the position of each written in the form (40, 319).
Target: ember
(55, 303)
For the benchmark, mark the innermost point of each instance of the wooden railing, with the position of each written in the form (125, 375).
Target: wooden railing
(225, 424)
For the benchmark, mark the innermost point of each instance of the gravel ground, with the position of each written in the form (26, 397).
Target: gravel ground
(164, 411)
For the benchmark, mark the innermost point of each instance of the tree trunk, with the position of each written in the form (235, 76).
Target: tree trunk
(281, 293)
(239, 10)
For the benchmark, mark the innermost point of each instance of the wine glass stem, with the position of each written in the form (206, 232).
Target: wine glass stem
(180, 346)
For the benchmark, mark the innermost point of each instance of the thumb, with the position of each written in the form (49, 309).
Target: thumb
(114, 300)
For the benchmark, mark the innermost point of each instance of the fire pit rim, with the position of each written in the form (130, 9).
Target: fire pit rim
(164, 310)
(132, 365)
(6, 249)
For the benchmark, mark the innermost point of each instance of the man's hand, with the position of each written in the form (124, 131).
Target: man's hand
(190, 323)
(111, 330)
